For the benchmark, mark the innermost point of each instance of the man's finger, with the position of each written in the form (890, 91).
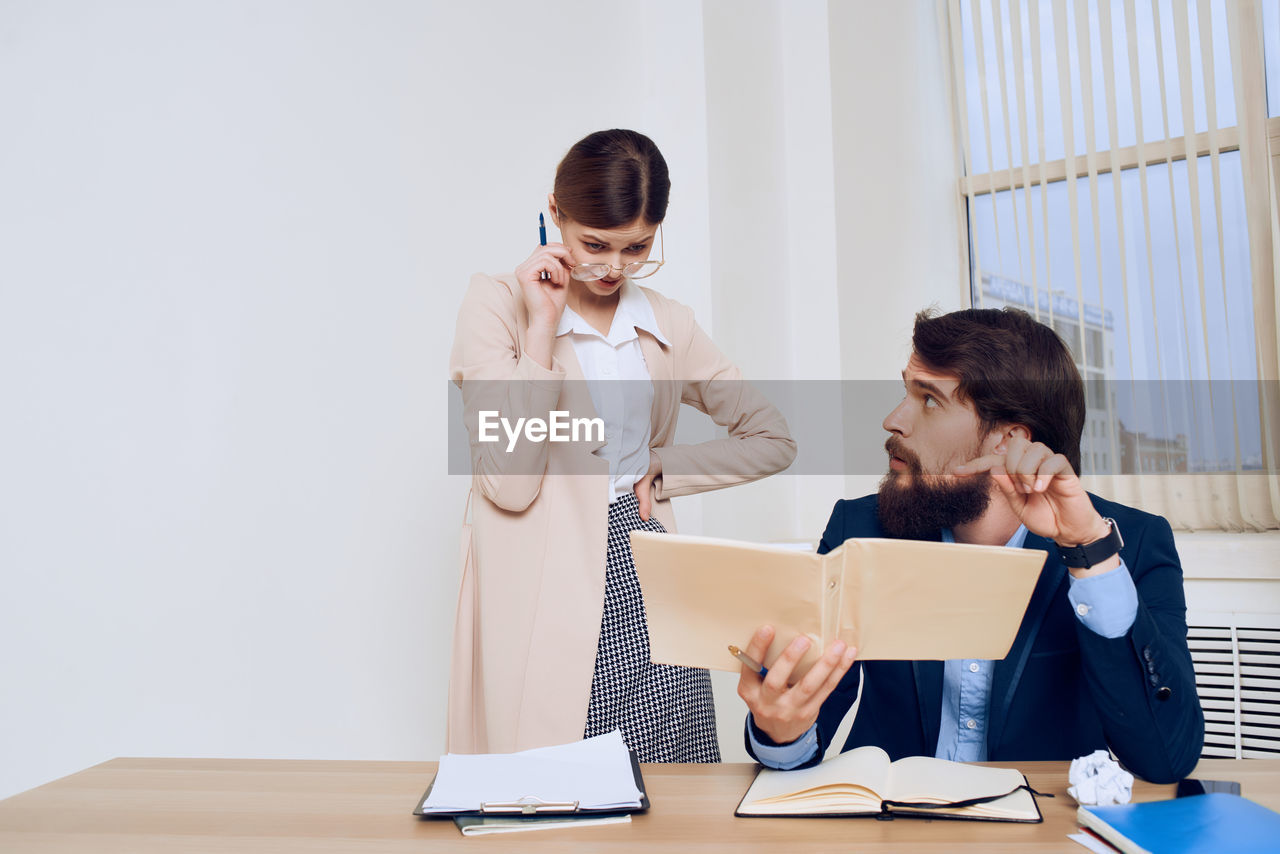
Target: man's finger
(780, 672)
(1026, 465)
(979, 465)
(1002, 480)
(1013, 453)
(758, 647)
(1033, 459)
(1052, 468)
(817, 676)
(833, 679)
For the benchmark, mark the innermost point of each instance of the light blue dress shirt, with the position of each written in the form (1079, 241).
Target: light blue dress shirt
(1106, 604)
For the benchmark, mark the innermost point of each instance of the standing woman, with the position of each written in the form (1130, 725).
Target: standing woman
(551, 643)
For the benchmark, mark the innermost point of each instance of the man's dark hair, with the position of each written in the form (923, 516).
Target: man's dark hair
(1013, 368)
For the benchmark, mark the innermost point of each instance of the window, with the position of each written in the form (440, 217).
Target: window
(1136, 249)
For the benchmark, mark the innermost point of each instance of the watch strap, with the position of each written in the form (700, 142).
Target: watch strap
(1091, 554)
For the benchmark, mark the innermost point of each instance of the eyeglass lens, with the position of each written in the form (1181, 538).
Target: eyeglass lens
(636, 270)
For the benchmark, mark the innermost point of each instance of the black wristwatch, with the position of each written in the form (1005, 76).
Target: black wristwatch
(1086, 555)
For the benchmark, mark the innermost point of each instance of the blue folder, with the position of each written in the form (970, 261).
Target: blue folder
(1215, 823)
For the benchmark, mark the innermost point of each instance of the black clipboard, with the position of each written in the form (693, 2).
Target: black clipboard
(533, 808)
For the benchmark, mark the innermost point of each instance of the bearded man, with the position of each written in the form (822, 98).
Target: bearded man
(984, 449)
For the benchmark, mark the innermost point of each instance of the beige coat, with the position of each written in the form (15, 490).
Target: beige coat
(530, 606)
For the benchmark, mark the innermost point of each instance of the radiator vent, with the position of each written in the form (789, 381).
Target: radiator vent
(1237, 667)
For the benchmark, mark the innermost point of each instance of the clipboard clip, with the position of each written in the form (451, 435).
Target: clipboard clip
(528, 805)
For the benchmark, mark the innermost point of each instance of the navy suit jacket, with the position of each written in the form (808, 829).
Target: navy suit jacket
(1062, 691)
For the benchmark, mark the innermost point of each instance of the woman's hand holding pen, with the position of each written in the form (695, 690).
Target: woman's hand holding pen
(782, 712)
(544, 298)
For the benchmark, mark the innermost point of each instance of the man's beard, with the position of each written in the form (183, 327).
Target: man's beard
(922, 507)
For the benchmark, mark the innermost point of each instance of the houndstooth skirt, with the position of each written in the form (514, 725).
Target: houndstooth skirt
(666, 713)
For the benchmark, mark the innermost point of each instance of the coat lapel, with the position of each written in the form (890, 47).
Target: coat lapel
(928, 676)
(1004, 681)
(575, 397)
(666, 393)
(564, 353)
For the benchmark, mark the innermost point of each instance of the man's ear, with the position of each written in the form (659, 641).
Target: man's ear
(1007, 432)
(553, 209)
(1020, 430)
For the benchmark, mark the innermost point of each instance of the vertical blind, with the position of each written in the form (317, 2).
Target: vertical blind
(1119, 182)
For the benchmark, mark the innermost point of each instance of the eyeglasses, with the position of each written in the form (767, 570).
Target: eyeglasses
(634, 270)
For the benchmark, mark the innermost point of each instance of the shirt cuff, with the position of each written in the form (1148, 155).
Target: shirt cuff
(783, 756)
(1106, 604)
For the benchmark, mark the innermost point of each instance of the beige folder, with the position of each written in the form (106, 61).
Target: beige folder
(892, 599)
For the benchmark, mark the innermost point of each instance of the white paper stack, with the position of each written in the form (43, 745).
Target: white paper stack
(595, 772)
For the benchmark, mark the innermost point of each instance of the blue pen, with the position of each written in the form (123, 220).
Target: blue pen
(542, 239)
(759, 668)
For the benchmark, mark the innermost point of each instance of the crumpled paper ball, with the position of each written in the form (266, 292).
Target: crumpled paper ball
(1098, 780)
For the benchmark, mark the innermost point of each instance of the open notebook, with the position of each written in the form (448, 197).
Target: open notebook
(863, 782)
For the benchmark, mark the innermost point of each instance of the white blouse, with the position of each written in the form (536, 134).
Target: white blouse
(619, 383)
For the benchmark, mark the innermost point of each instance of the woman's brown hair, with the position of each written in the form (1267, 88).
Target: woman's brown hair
(611, 178)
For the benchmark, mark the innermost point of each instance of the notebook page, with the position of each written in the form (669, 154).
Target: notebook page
(596, 772)
(929, 780)
(862, 768)
(1020, 804)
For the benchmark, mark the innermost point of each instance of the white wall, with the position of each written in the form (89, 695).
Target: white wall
(233, 239)
(895, 176)
(826, 179)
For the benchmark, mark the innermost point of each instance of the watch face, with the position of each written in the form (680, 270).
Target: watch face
(1115, 533)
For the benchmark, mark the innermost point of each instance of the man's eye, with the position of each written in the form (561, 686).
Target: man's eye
(594, 247)
(639, 247)
(930, 402)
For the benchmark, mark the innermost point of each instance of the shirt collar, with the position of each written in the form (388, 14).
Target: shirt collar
(634, 312)
(1015, 542)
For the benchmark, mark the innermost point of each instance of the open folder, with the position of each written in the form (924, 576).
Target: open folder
(892, 599)
(593, 777)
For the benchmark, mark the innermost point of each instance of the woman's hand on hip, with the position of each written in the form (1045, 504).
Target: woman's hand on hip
(644, 486)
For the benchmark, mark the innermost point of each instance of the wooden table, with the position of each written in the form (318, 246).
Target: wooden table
(239, 805)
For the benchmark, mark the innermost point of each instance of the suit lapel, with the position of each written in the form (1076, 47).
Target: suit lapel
(928, 676)
(1008, 671)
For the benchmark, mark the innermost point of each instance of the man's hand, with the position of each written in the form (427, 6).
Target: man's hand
(786, 713)
(1043, 491)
